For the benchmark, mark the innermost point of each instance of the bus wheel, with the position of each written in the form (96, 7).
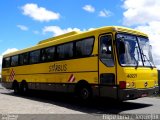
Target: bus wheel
(15, 87)
(84, 93)
(24, 88)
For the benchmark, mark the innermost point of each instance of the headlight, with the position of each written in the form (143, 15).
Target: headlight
(127, 85)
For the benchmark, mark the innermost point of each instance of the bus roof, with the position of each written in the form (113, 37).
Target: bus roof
(60, 39)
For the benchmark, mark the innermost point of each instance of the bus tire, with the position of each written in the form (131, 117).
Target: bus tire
(84, 92)
(16, 87)
(24, 88)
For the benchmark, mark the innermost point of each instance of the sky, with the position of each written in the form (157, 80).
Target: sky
(26, 22)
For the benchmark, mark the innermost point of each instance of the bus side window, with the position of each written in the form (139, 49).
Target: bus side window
(14, 61)
(23, 60)
(48, 54)
(84, 47)
(6, 62)
(35, 56)
(106, 54)
(44, 55)
(65, 51)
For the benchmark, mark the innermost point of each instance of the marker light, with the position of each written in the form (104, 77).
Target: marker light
(122, 84)
(156, 83)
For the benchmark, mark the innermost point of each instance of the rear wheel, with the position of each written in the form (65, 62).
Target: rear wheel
(24, 88)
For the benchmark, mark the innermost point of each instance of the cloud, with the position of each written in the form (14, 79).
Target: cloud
(0, 61)
(105, 13)
(139, 12)
(22, 27)
(56, 30)
(89, 29)
(89, 8)
(9, 50)
(152, 29)
(143, 15)
(39, 13)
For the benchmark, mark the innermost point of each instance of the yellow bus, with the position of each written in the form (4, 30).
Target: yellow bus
(110, 61)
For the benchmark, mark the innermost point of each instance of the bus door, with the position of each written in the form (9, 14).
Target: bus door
(107, 69)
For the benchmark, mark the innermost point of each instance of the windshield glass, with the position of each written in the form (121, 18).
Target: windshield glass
(128, 50)
(146, 51)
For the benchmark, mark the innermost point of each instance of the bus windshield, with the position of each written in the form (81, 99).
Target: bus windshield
(135, 49)
(146, 51)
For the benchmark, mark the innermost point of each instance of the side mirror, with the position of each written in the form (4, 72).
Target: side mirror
(121, 47)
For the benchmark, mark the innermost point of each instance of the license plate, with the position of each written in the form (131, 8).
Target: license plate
(144, 95)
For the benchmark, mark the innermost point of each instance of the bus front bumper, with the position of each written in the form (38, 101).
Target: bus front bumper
(115, 92)
(129, 94)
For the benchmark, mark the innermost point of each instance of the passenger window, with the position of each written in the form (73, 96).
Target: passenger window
(65, 51)
(84, 47)
(106, 54)
(24, 59)
(14, 61)
(6, 62)
(35, 56)
(48, 54)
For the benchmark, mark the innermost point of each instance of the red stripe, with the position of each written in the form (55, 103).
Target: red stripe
(72, 78)
(12, 75)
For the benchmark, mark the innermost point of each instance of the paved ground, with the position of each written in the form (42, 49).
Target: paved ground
(52, 103)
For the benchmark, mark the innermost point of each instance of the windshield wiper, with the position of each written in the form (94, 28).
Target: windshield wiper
(137, 64)
(144, 56)
(136, 60)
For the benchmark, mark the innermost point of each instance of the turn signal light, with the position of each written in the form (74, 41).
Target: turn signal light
(122, 84)
(156, 83)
